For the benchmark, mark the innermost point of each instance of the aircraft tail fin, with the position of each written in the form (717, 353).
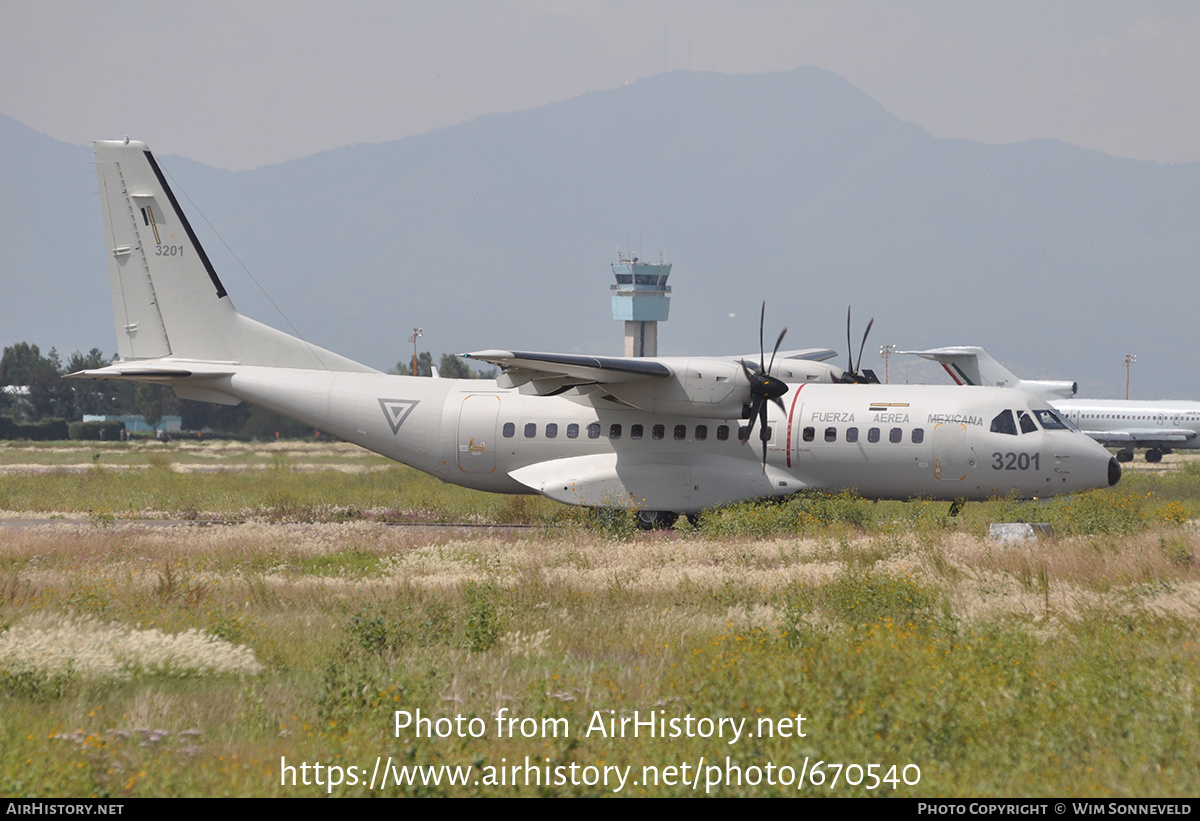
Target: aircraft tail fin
(972, 365)
(168, 301)
(966, 365)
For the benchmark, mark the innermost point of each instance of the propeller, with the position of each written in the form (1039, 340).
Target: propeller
(854, 375)
(763, 387)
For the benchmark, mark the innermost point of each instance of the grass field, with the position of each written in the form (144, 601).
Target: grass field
(138, 659)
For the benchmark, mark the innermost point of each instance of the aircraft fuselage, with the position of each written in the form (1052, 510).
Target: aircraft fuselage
(881, 441)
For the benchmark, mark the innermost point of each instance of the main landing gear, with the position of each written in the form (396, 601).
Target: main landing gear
(1153, 455)
(656, 519)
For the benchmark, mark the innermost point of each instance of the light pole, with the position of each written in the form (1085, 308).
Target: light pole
(886, 351)
(416, 334)
(1129, 360)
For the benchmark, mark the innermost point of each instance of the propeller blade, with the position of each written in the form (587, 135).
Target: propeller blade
(849, 344)
(762, 354)
(864, 342)
(762, 431)
(851, 374)
(744, 437)
(778, 342)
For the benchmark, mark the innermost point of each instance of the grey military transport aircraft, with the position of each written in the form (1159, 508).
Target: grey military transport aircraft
(663, 435)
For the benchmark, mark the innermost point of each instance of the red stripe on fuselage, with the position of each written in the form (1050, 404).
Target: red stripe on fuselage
(791, 411)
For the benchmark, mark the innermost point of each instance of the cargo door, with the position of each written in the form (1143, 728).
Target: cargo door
(477, 420)
(950, 451)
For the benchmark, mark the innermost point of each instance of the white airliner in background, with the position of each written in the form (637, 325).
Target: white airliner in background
(1159, 425)
(663, 435)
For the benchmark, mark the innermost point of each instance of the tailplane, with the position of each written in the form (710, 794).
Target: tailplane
(168, 302)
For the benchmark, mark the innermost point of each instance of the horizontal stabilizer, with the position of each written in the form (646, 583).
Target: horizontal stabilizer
(201, 384)
(147, 373)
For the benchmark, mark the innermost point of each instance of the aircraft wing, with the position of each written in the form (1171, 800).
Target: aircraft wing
(551, 373)
(1143, 437)
(808, 354)
(703, 386)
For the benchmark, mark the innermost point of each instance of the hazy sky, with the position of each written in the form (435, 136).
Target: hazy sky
(249, 82)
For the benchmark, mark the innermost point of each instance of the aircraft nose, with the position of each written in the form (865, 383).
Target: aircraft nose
(1114, 472)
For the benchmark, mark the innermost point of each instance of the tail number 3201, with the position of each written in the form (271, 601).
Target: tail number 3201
(1016, 461)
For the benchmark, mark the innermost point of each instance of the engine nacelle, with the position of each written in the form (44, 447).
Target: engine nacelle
(712, 387)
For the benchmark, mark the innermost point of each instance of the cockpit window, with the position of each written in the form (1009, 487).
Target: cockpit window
(1027, 423)
(1051, 420)
(1003, 423)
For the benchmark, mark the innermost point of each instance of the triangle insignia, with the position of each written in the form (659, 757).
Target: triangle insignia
(396, 411)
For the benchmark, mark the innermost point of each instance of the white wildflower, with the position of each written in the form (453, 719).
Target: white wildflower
(69, 646)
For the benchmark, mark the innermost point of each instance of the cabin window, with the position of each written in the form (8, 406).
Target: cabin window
(573, 431)
(552, 430)
(851, 435)
(830, 434)
(895, 436)
(510, 430)
(614, 431)
(530, 430)
(635, 431)
(1027, 423)
(701, 432)
(658, 431)
(743, 433)
(594, 430)
(722, 432)
(918, 436)
(680, 433)
(1003, 423)
(809, 434)
(873, 435)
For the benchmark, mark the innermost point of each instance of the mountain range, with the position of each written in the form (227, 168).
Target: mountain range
(794, 187)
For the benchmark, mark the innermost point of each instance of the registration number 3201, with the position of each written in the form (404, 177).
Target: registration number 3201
(1016, 461)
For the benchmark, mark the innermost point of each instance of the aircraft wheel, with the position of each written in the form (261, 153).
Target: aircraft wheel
(1154, 455)
(1125, 456)
(655, 519)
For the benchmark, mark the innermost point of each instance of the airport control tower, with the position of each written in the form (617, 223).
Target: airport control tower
(640, 299)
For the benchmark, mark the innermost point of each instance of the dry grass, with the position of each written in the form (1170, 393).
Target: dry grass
(1048, 668)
